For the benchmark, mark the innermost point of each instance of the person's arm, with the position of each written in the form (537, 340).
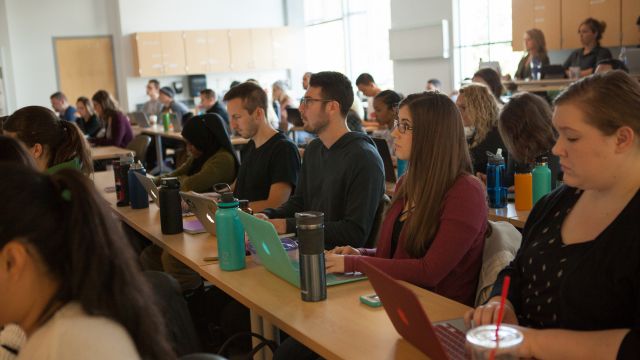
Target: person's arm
(92, 127)
(284, 167)
(105, 141)
(570, 344)
(458, 229)
(218, 169)
(118, 131)
(278, 195)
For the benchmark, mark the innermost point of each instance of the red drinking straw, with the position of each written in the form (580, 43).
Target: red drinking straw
(503, 299)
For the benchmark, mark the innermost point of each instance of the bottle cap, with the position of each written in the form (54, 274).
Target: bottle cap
(309, 220)
(495, 158)
(227, 197)
(171, 183)
(136, 166)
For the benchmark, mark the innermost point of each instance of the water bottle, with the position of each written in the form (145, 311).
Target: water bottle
(623, 55)
(166, 121)
(496, 190)
(313, 283)
(536, 67)
(541, 180)
(170, 206)
(402, 167)
(523, 184)
(230, 234)
(137, 193)
(122, 179)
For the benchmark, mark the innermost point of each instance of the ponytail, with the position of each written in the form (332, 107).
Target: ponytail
(72, 145)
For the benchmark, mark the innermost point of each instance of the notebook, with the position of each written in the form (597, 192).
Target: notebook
(203, 207)
(440, 341)
(153, 191)
(265, 240)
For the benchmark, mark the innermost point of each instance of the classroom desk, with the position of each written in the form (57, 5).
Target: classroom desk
(190, 249)
(108, 152)
(338, 328)
(544, 84)
(509, 214)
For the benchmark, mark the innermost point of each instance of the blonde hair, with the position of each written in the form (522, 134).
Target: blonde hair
(482, 108)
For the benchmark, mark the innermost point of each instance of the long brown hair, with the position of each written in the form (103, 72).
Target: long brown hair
(439, 155)
(109, 105)
(609, 100)
(482, 107)
(79, 244)
(525, 127)
(62, 140)
(541, 44)
(87, 104)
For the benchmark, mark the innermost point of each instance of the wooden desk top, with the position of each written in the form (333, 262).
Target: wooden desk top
(108, 152)
(510, 214)
(190, 249)
(338, 328)
(159, 130)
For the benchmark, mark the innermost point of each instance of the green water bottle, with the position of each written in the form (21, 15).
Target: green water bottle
(541, 180)
(230, 234)
(166, 121)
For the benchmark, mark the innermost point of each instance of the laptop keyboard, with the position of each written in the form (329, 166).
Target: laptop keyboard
(452, 340)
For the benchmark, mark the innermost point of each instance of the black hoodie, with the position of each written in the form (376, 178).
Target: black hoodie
(345, 182)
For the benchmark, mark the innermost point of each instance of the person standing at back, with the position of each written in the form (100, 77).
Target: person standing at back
(62, 107)
(210, 104)
(587, 57)
(153, 106)
(342, 174)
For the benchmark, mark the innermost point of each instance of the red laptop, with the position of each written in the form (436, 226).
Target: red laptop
(440, 341)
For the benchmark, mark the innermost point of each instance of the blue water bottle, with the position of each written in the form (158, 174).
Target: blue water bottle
(137, 194)
(402, 167)
(230, 234)
(496, 190)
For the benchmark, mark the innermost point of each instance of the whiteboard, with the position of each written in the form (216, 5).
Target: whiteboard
(420, 42)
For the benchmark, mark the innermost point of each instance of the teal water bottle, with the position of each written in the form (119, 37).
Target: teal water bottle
(230, 234)
(402, 167)
(541, 180)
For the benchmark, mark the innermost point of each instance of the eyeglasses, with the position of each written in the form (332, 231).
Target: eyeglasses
(402, 128)
(306, 101)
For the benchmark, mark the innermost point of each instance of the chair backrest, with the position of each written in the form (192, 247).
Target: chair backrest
(140, 144)
(500, 248)
(383, 205)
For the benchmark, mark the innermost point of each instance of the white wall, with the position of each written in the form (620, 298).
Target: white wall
(411, 75)
(8, 94)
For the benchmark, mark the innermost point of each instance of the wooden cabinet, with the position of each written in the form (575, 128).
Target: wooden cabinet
(173, 53)
(522, 20)
(609, 12)
(262, 48)
(573, 13)
(159, 53)
(219, 52)
(241, 51)
(206, 51)
(546, 17)
(630, 12)
(283, 48)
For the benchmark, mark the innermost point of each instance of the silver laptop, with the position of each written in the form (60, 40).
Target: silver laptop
(633, 60)
(139, 118)
(203, 207)
(153, 191)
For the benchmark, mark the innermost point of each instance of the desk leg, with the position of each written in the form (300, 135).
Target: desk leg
(266, 329)
(256, 327)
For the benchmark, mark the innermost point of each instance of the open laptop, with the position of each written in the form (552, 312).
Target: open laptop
(152, 190)
(203, 207)
(385, 154)
(265, 240)
(139, 118)
(552, 72)
(294, 117)
(440, 341)
(633, 60)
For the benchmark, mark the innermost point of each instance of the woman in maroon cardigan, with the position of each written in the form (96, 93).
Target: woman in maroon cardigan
(117, 126)
(433, 234)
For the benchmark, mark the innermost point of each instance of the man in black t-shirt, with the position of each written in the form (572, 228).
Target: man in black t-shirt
(270, 162)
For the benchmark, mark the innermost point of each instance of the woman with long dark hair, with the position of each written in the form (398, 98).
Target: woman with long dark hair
(68, 277)
(118, 130)
(535, 52)
(88, 121)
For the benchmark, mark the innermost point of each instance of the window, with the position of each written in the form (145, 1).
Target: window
(349, 36)
(482, 32)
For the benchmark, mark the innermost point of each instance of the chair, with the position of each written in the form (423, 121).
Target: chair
(384, 203)
(500, 248)
(140, 144)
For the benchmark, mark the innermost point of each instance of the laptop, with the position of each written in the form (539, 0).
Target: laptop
(552, 72)
(264, 238)
(440, 341)
(294, 117)
(153, 191)
(139, 118)
(633, 60)
(385, 154)
(203, 207)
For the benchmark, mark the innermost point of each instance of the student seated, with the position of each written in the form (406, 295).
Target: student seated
(536, 52)
(118, 130)
(209, 103)
(385, 105)
(54, 143)
(574, 282)
(433, 234)
(88, 121)
(60, 104)
(479, 112)
(342, 173)
(212, 159)
(270, 161)
(526, 128)
(491, 79)
(172, 106)
(67, 275)
(587, 57)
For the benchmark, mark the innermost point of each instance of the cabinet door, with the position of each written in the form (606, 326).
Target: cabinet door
(262, 50)
(219, 57)
(630, 13)
(573, 13)
(522, 20)
(546, 17)
(241, 52)
(148, 51)
(609, 12)
(283, 47)
(196, 52)
(173, 53)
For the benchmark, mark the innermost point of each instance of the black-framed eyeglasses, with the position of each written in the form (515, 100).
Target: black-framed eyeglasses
(306, 101)
(402, 127)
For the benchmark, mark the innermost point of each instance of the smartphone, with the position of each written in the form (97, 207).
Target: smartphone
(372, 300)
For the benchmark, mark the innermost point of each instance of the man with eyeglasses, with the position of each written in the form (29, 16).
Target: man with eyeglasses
(153, 106)
(342, 173)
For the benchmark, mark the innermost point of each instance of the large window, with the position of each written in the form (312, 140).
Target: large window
(349, 36)
(482, 33)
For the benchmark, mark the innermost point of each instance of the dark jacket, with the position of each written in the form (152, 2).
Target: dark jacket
(219, 109)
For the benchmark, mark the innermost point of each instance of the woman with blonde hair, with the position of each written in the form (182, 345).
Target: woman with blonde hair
(479, 111)
(536, 53)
